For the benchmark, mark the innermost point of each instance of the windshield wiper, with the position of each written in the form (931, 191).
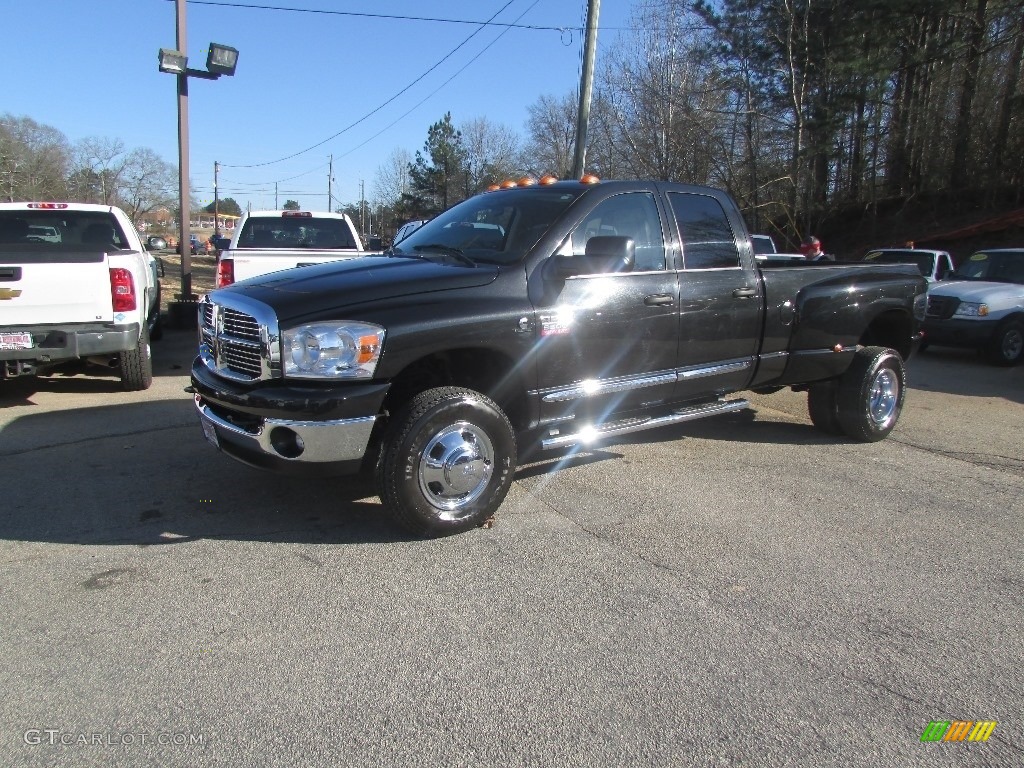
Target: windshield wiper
(447, 250)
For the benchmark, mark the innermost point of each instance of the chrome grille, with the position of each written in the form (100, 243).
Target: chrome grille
(240, 325)
(942, 307)
(239, 345)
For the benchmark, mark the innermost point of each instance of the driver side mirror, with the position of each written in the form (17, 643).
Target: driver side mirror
(604, 254)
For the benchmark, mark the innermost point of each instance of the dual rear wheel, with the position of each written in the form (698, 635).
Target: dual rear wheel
(866, 401)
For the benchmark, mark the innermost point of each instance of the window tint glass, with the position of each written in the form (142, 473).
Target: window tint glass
(708, 240)
(632, 215)
(295, 232)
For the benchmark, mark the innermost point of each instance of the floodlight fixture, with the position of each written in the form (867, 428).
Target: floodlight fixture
(222, 59)
(173, 62)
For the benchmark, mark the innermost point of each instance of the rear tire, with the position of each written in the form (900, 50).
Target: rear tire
(1007, 345)
(137, 365)
(823, 408)
(446, 462)
(870, 395)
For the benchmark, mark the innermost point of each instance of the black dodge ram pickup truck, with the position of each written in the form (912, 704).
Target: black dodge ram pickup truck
(543, 314)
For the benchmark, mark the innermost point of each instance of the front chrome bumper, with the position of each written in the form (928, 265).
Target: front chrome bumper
(280, 440)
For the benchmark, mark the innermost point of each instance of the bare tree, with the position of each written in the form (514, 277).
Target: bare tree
(492, 153)
(552, 135)
(34, 160)
(392, 180)
(99, 163)
(146, 182)
(666, 101)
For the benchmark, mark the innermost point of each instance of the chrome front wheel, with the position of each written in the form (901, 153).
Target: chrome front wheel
(446, 461)
(455, 468)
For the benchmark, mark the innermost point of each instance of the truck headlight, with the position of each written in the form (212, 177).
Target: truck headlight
(971, 309)
(333, 350)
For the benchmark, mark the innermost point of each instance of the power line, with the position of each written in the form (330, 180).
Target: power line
(380, 107)
(394, 17)
(435, 91)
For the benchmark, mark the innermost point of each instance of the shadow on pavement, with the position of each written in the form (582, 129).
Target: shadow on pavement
(141, 473)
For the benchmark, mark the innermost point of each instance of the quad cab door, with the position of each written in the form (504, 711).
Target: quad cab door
(720, 298)
(608, 341)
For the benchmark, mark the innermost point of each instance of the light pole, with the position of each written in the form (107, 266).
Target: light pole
(216, 201)
(221, 60)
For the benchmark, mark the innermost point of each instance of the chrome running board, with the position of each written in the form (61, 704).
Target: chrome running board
(625, 426)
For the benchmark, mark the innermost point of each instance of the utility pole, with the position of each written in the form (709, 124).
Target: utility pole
(586, 89)
(216, 201)
(330, 177)
(276, 206)
(183, 190)
(362, 229)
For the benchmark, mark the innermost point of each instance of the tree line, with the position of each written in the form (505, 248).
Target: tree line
(809, 112)
(37, 162)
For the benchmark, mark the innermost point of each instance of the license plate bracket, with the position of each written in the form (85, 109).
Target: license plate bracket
(15, 340)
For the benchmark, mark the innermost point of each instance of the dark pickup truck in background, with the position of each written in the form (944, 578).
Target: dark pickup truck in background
(541, 314)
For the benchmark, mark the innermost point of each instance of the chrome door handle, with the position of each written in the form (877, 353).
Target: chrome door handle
(744, 293)
(659, 299)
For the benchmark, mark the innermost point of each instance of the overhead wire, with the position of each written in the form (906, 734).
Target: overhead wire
(435, 91)
(390, 16)
(381, 106)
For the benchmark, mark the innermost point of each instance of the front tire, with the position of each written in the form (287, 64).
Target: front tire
(1007, 345)
(137, 365)
(871, 393)
(446, 462)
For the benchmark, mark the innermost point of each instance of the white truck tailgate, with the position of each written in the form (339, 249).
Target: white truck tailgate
(52, 293)
(262, 262)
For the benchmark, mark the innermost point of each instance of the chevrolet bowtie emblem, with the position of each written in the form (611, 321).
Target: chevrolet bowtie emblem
(9, 293)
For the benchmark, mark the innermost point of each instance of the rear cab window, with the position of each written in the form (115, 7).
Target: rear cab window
(36, 235)
(704, 230)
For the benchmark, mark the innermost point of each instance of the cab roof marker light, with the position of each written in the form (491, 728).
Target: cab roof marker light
(548, 179)
(590, 178)
(494, 188)
(526, 181)
(508, 184)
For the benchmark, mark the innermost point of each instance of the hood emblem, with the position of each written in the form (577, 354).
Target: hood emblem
(9, 293)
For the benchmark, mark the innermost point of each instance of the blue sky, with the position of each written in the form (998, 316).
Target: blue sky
(89, 68)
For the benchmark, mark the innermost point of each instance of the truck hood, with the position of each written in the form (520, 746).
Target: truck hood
(980, 291)
(336, 285)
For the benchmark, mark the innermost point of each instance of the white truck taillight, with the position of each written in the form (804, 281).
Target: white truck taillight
(122, 290)
(225, 272)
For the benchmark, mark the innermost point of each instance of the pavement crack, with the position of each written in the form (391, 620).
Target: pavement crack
(106, 436)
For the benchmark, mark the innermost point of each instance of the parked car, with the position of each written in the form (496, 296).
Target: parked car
(934, 265)
(194, 243)
(981, 305)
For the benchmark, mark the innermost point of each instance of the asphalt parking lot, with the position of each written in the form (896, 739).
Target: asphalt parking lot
(736, 591)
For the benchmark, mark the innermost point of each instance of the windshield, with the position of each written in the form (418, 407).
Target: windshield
(924, 261)
(491, 228)
(1000, 267)
(295, 232)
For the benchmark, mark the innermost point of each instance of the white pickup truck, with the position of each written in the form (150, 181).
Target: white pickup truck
(269, 241)
(76, 285)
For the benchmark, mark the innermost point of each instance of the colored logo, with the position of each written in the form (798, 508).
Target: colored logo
(958, 730)
(6, 294)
